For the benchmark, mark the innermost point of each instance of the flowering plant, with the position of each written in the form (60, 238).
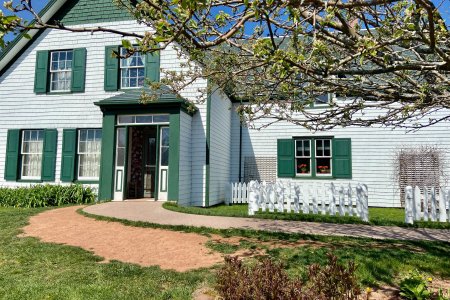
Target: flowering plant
(324, 169)
(303, 167)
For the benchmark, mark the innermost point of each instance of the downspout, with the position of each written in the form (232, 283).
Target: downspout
(240, 148)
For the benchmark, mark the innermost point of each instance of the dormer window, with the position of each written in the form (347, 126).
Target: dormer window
(132, 69)
(61, 71)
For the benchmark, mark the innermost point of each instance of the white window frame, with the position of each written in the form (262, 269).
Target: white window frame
(23, 153)
(134, 121)
(303, 156)
(318, 174)
(123, 51)
(58, 71)
(79, 153)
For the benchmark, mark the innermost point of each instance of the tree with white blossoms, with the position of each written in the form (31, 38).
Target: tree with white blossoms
(278, 56)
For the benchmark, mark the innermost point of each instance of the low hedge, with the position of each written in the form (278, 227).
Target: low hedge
(46, 195)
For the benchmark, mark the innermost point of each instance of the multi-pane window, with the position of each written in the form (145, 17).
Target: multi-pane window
(132, 69)
(303, 157)
(61, 70)
(89, 151)
(31, 154)
(323, 157)
(313, 157)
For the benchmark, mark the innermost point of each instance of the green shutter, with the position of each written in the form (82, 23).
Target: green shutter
(41, 72)
(69, 151)
(342, 158)
(49, 155)
(79, 70)
(12, 155)
(111, 69)
(152, 66)
(286, 158)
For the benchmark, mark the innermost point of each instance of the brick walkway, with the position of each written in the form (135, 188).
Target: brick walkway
(153, 212)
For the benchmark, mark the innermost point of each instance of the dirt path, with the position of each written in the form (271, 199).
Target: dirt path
(114, 241)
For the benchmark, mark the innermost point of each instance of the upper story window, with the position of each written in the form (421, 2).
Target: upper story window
(31, 154)
(61, 70)
(132, 69)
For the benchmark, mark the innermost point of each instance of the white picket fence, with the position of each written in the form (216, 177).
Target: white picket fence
(425, 205)
(306, 198)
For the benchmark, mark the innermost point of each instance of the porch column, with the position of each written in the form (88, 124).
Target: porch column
(107, 158)
(174, 157)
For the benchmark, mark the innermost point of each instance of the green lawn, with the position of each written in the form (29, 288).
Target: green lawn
(377, 216)
(30, 269)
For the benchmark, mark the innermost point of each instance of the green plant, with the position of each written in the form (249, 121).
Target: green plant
(268, 280)
(414, 287)
(334, 281)
(46, 195)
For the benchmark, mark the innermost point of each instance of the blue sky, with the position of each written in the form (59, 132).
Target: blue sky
(443, 4)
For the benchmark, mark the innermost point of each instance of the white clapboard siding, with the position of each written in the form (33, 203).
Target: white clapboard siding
(318, 198)
(373, 150)
(426, 204)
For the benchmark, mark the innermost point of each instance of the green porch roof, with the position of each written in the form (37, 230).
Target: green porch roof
(132, 98)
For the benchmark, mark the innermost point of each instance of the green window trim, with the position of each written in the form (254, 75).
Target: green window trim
(70, 157)
(112, 68)
(42, 72)
(341, 158)
(12, 155)
(49, 155)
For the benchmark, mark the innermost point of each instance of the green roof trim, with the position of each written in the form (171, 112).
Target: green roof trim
(133, 97)
(71, 12)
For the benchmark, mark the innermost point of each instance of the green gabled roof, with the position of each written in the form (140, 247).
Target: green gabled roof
(68, 12)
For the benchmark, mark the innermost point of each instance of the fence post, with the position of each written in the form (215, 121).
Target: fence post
(365, 206)
(314, 195)
(417, 203)
(305, 202)
(433, 204)
(350, 201)
(271, 197)
(425, 203)
(298, 192)
(341, 201)
(442, 209)
(448, 204)
(332, 199)
(253, 191)
(323, 195)
(408, 205)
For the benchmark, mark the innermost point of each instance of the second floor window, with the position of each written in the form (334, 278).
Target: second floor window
(132, 69)
(61, 70)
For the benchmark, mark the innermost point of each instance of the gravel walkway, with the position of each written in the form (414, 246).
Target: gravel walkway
(153, 212)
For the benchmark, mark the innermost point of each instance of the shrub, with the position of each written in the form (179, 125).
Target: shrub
(267, 280)
(46, 195)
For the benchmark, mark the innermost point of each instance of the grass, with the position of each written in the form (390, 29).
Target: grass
(379, 261)
(377, 216)
(30, 269)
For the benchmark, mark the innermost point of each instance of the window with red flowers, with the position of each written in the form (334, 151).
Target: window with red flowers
(313, 157)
